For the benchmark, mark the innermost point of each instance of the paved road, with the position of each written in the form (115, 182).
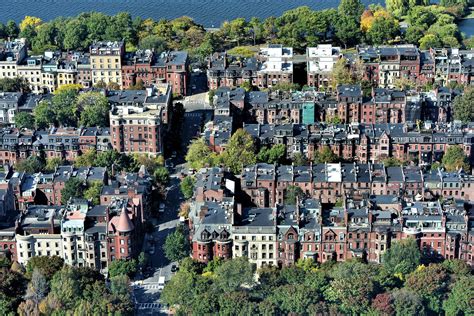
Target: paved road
(146, 292)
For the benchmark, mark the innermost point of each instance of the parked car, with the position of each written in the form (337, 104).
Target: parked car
(162, 208)
(174, 268)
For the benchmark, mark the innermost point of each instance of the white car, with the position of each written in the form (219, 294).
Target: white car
(162, 208)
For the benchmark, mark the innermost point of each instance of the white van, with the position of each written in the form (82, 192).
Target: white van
(161, 283)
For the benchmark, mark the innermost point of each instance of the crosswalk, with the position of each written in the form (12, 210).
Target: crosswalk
(148, 306)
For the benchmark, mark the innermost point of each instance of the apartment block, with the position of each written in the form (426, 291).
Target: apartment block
(106, 62)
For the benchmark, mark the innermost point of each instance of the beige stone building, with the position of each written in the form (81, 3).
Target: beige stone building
(106, 62)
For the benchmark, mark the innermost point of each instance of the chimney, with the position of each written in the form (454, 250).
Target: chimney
(239, 212)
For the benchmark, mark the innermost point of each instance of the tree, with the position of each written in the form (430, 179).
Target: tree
(454, 158)
(30, 21)
(325, 155)
(31, 164)
(407, 303)
(74, 188)
(430, 41)
(187, 187)
(46, 266)
(275, 154)
(161, 175)
(292, 194)
(402, 257)
(64, 289)
(155, 42)
(392, 162)
(240, 151)
(199, 154)
(87, 159)
(63, 105)
(382, 303)
(348, 30)
(299, 159)
(176, 245)
(352, 286)
(37, 289)
(430, 283)
(43, 114)
(92, 193)
(123, 267)
(462, 105)
(233, 274)
(24, 120)
(459, 301)
(12, 29)
(94, 109)
(382, 30)
(294, 298)
(52, 163)
(351, 8)
(17, 84)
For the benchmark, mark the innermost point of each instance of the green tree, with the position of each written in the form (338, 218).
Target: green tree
(294, 298)
(459, 301)
(176, 245)
(87, 159)
(93, 191)
(463, 109)
(299, 159)
(31, 164)
(275, 154)
(46, 266)
(430, 283)
(161, 175)
(155, 42)
(17, 84)
(53, 163)
(292, 194)
(65, 288)
(348, 30)
(199, 154)
(392, 162)
(352, 8)
(187, 187)
(63, 105)
(94, 109)
(325, 155)
(123, 267)
(402, 257)
(73, 188)
(383, 30)
(43, 115)
(240, 151)
(454, 158)
(24, 120)
(406, 302)
(12, 29)
(233, 274)
(352, 286)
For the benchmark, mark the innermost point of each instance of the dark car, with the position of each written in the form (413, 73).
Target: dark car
(174, 268)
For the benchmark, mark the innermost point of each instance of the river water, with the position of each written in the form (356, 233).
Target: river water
(210, 13)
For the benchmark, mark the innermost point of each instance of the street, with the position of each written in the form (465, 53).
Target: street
(146, 292)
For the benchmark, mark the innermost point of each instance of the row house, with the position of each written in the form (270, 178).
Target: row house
(228, 71)
(320, 62)
(276, 66)
(365, 142)
(169, 67)
(264, 185)
(280, 235)
(12, 53)
(138, 119)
